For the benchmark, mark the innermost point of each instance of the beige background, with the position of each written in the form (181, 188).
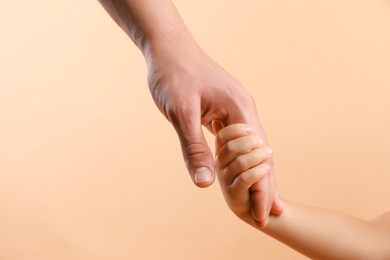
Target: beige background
(89, 169)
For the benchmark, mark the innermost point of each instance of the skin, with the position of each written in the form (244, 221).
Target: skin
(184, 83)
(318, 233)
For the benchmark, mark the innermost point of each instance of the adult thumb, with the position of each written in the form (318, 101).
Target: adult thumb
(196, 153)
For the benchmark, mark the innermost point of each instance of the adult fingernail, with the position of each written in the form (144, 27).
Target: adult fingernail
(202, 175)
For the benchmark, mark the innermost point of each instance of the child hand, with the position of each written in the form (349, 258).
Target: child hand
(241, 162)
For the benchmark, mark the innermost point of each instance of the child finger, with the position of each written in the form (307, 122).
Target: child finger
(261, 202)
(236, 147)
(245, 180)
(246, 161)
(231, 132)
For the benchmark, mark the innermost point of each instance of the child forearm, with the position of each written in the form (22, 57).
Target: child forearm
(325, 234)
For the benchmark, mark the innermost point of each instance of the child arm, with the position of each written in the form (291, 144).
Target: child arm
(315, 232)
(326, 234)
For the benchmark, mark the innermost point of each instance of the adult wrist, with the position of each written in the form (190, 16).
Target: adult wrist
(172, 42)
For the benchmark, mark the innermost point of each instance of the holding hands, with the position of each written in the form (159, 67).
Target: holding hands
(191, 90)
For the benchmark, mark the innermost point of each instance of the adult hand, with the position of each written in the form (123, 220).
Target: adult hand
(191, 90)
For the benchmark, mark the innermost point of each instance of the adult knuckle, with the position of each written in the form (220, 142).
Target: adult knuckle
(177, 111)
(246, 99)
(195, 149)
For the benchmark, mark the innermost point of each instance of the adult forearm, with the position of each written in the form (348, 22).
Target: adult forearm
(325, 234)
(149, 23)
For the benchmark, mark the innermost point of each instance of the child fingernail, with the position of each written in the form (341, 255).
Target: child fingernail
(269, 151)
